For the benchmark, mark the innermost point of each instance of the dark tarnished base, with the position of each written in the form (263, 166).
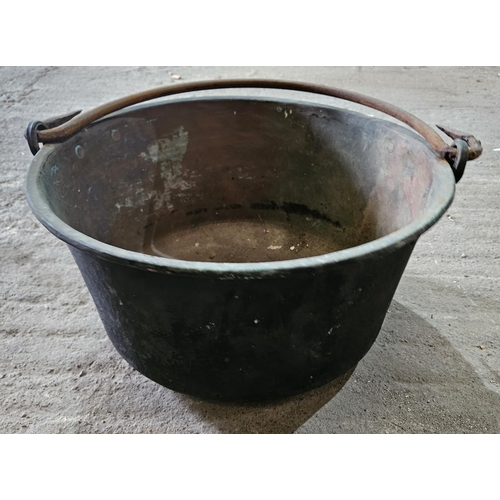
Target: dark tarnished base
(244, 340)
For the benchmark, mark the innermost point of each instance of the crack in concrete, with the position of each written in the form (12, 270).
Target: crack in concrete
(31, 87)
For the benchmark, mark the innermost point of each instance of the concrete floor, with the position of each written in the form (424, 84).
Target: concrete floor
(435, 367)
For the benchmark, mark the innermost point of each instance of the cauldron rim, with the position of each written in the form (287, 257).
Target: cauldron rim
(248, 270)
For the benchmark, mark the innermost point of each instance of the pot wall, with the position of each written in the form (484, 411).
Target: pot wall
(244, 339)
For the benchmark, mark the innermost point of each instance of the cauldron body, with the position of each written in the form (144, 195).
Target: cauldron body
(241, 249)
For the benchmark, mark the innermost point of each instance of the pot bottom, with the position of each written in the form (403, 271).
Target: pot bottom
(251, 240)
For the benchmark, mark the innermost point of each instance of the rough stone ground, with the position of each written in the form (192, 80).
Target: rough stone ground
(435, 367)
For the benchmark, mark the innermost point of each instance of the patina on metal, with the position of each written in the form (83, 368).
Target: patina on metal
(241, 248)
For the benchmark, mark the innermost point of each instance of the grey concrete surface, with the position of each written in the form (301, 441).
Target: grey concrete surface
(435, 367)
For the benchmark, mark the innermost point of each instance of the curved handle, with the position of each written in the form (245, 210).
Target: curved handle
(54, 130)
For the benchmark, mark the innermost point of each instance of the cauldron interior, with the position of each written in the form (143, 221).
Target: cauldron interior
(239, 180)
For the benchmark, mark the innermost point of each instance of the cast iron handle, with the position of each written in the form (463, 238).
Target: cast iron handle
(465, 147)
